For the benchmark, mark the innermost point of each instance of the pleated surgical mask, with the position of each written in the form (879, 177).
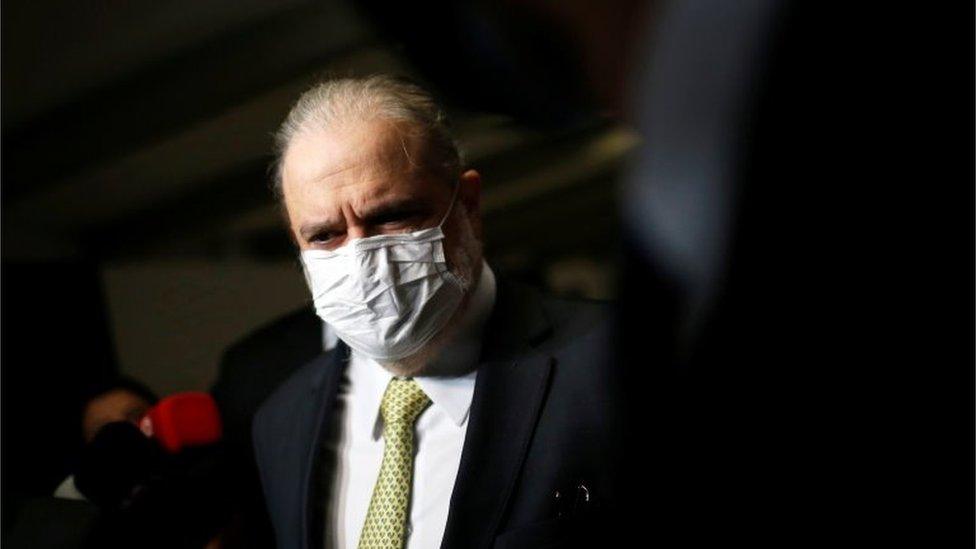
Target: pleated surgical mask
(386, 296)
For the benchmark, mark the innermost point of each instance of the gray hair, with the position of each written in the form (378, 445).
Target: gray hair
(374, 97)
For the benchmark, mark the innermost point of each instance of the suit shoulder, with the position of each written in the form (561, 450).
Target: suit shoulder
(579, 307)
(573, 318)
(291, 392)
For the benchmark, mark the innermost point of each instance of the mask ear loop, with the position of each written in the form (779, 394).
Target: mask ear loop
(450, 208)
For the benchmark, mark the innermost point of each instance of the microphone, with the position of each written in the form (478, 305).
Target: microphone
(183, 420)
(117, 460)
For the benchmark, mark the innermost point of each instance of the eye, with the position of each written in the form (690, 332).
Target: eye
(323, 237)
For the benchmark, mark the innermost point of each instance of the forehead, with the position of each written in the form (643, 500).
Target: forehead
(115, 400)
(353, 161)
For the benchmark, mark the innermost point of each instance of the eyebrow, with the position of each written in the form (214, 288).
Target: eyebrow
(309, 230)
(411, 205)
(382, 211)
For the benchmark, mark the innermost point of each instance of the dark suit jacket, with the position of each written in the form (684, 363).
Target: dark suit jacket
(544, 419)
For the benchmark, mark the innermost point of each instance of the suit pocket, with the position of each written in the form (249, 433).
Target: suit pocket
(549, 534)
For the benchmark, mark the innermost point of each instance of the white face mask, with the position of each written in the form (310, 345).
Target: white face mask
(387, 295)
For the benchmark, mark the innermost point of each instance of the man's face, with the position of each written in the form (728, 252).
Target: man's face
(365, 179)
(362, 179)
(109, 407)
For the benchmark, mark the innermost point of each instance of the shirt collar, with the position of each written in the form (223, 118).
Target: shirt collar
(367, 383)
(452, 394)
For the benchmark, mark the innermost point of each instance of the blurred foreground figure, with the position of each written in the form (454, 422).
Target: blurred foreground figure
(784, 280)
(458, 410)
(797, 303)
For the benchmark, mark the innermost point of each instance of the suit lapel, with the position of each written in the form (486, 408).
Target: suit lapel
(508, 396)
(323, 393)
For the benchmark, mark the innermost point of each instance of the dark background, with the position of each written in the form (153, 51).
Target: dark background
(797, 324)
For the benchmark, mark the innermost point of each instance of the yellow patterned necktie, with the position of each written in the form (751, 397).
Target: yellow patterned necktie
(386, 518)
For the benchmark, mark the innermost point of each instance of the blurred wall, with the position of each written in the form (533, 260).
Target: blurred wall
(172, 319)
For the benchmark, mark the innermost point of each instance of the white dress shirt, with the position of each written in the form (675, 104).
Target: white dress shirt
(357, 449)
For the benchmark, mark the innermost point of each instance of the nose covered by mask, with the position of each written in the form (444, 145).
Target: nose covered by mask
(386, 295)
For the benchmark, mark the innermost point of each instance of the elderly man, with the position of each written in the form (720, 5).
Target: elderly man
(457, 410)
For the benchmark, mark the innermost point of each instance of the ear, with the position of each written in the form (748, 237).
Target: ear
(470, 195)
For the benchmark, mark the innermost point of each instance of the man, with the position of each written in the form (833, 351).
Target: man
(106, 401)
(458, 410)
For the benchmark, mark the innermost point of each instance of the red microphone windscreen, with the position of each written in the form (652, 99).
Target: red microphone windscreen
(183, 419)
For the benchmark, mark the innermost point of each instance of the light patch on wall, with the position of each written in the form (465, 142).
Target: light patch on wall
(171, 320)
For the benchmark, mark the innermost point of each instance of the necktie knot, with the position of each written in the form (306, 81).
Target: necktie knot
(403, 401)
